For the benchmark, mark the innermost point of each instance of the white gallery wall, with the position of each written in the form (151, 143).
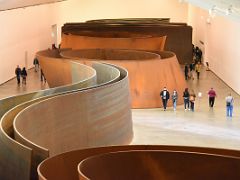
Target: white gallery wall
(221, 37)
(24, 31)
(82, 10)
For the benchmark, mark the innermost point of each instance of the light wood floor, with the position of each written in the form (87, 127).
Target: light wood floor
(206, 126)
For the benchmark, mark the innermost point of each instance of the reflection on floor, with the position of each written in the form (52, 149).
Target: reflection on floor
(206, 126)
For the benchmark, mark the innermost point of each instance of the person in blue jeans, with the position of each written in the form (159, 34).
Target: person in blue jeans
(174, 99)
(229, 105)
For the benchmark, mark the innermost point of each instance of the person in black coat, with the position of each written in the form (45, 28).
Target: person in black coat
(24, 75)
(18, 74)
(165, 96)
(186, 96)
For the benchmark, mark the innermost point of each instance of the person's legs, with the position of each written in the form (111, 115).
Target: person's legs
(213, 100)
(188, 104)
(198, 74)
(18, 80)
(185, 104)
(230, 111)
(24, 80)
(174, 104)
(164, 103)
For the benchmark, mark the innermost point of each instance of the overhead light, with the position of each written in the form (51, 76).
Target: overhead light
(212, 12)
(229, 10)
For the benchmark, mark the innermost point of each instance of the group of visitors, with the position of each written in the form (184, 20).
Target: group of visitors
(197, 54)
(21, 73)
(190, 97)
(188, 70)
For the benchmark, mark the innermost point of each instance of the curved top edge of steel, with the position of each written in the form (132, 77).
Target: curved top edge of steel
(120, 75)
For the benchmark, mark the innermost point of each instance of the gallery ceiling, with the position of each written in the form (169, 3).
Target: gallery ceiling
(229, 8)
(222, 7)
(13, 4)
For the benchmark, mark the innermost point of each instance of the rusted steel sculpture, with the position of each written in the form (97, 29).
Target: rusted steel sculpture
(90, 34)
(148, 72)
(143, 162)
(136, 42)
(85, 116)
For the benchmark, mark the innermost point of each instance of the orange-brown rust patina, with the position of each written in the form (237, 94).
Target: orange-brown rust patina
(148, 72)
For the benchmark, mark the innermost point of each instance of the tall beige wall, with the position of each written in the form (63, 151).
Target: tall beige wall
(221, 39)
(27, 30)
(23, 32)
(82, 10)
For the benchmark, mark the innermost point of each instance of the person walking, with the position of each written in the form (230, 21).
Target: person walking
(190, 74)
(198, 69)
(42, 76)
(174, 99)
(165, 96)
(211, 97)
(36, 64)
(229, 105)
(24, 76)
(18, 74)
(192, 98)
(186, 99)
(186, 70)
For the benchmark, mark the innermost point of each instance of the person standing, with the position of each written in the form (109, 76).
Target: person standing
(229, 105)
(192, 98)
(174, 99)
(18, 74)
(186, 71)
(24, 76)
(36, 64)
(186, 99)
(165, 96)
(198, 69)
(211, 96)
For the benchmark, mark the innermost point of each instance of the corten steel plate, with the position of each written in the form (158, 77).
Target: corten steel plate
(148, 72)
(18, 161)
(155, 165)
(179, 35)
(132, 42)
(193, 161)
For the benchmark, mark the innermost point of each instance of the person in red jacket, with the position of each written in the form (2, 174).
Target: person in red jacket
(211, 95)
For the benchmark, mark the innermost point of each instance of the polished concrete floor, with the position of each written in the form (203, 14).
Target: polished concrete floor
(208, 127)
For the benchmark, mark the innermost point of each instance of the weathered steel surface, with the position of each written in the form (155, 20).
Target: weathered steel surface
(92, 118)
(135, 43)
(148, 72)
(18, 161)
(179, 35)
(64, 166)
(155, 165)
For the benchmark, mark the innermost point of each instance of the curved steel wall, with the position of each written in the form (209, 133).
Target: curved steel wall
(64, 166)
(134, 43)
(18, 161)
(148, 72)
